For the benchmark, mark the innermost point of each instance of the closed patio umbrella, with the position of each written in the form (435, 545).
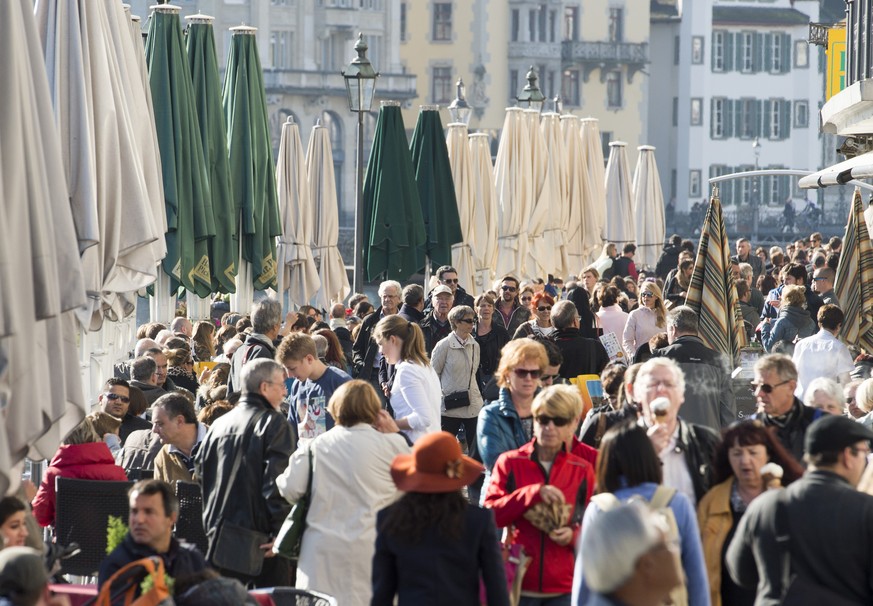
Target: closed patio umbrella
(296, 269)
(485, 219)
(539, 258)
(462, 176)
(436, 191)
(712, 293)
(513, 181)
(648, 206)
(393, 228)
(853, 283)
(334, 281)
(619, 212)
(557, 219)
(578, 194)
(594, 210)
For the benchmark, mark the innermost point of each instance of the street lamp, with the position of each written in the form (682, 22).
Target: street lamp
(360, 80)
(756, 147)
(531, 94)
(459, 109)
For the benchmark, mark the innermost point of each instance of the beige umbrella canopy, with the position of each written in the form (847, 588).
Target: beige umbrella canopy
(539, 257)
(619, 212)
(648, 205)
(484, 210)
(462, 175)
(296, 269)
(578, 194)
(594, 209)
(558, 212)
(322, 189)
(513, 183)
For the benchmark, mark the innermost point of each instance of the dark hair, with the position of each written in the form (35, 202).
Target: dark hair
(175, 404)
(154, 329)
(609, 296)
(742, 287)
(138, 402)
(830, 316)
(224, 334)
(335, 353)
(363, 308)
(766, 282)
(752, 433)
(212, 411)
(511, 279)
(150, 487)
(177, 343)
(556, 358)
(415, 512)
(687, 245)
(627, 459)
(676, 240)
(612, 378)
(797, 271)
(630, 247)
(115, 382)
(412, 294)
(10, 506)
(445, 269)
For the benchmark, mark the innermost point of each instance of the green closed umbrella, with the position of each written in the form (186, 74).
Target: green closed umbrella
(393, 226)
(203, 63)
(252, 168)
(186, 189)
(436, 187)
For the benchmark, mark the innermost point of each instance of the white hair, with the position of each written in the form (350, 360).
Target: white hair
(828, 387)
(652, 363)
(390, 284)
(614, 541)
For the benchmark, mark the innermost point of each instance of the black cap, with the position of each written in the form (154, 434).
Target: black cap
(832, 434)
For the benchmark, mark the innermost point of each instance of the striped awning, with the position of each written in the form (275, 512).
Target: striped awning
(712, 293)
(853, 284)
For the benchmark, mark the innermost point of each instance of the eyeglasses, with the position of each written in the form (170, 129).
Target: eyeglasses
(863, 451)
(466, 320)
(545, 308)
(558, 421)
(521, 373)
(549, 377)
(646, 294)
(818, 279)
(450, 281)
(114, 396)
(508, 288)
(766, 387)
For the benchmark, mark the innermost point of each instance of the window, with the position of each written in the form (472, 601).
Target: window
(725, 188)
(541, 23)
(280, 49)
(801, 53)
(697, 50)
(747, 52)
(442, 21)
(718, 51)
(696, 111)
(675, 111)
(441, 88)
(775, 116)
(776, 58)
(532, 24)
(403, 13)
(513, 83)
(613, 90)
(570, 90)
(553, 24)
(571, 23)
(514, 24)
(676, 50)
(748, 185)
(801, 114)
(605, 138)
(748, 118)
(616, 24)
(718, 114)
(694, 183)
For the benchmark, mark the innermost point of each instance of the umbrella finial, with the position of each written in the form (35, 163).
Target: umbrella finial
(317, 122)
(290, 120)
(715, 191)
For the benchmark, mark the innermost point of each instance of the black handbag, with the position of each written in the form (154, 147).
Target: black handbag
(290, 536)
(458, 399)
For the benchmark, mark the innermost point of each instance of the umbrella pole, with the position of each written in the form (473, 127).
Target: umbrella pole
(358, 278)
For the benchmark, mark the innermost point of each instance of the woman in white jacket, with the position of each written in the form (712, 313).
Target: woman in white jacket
(351, 481)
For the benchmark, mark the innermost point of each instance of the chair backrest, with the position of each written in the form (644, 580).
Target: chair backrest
(189, 526)
(83, 510)
(289, 596)
(140, 473)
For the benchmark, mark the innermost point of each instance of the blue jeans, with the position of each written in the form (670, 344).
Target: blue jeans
(561, 600)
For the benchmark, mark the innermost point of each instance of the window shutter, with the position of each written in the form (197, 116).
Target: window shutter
(728, 118)
(786, 53)
(712, 114)
(738, 52)
(768, 52)
(728, 51)
(764, 111)
(784, 118)
(764, 186)
(757, 52)
(713, 38)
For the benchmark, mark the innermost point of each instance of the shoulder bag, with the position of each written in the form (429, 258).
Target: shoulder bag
(290, 536)
(459, 399)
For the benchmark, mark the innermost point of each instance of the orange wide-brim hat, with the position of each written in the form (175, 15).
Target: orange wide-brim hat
(435, 465)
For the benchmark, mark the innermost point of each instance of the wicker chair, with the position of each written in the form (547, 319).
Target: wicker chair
(189, 526)
(289, 596)
(83, 510)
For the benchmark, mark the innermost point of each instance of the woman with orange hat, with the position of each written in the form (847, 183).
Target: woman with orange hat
(433, 522)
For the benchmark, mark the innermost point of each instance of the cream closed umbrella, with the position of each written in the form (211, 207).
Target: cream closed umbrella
(594, 209)
(462, 175)
(539, 258)
(296, 269)
(558, 211)
(619, 212)
(648, 205)
(322, 189)
(513, 183)
(484, 210)
(578, 194)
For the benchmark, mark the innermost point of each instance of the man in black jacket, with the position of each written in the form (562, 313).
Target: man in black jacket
(448, 276)
(820, 527)
(669, 257)
(261, 343)
(369, 365)
(413, 304)
(238, 463)
(709, 398)
(582, 356)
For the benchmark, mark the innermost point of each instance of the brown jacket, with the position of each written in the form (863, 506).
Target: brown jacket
(170, 468)
(715, 520)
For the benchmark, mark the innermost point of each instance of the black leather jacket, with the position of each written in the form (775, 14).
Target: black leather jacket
(365, 348)
(259, 434)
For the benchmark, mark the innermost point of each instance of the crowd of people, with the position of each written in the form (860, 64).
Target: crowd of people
(422, 429)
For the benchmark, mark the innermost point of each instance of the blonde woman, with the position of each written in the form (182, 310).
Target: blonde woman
(645, 321)
(416, 395)
(607, 256)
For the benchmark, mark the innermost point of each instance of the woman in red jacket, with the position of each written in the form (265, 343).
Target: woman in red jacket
(530, 483)
(83, 455)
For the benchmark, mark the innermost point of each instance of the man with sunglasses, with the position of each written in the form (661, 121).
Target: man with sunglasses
(435, 324)
(448, 276)
(510, 313)
(774, 384)
(114, 400)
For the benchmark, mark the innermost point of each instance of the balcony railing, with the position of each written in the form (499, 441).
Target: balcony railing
(313, 82)
(602, 52)
(535, 50)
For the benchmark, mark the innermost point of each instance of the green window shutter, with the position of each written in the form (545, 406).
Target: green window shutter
(767, 40)
(757, 52)
(712, 114)
(728, 118)
(764, 111)
(712, 50)
(787, 59)
(765, 187)
(738, 55)
(728, 51)
(784, 119)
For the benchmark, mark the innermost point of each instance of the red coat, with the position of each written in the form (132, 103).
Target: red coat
(515, 487)
(91, 461)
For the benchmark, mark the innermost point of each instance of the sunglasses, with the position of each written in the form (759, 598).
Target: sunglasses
(508, 288)
(549, 377)
(646, 295)
(766, 387)
(558, 421)
(450, 281)
(544, 308)
(521, 373)
(466, 320)
(114, 396)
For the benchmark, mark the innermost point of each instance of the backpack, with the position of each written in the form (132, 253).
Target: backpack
(123, 586)
(660, 503)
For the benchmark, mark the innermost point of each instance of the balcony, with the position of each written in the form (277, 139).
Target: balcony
(604, 52)
(535, 50)
(311, 82)
(850, 111)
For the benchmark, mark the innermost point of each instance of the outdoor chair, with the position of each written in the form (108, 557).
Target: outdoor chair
(289, 596)
(83, 510)
(189, 525)
(136, 474)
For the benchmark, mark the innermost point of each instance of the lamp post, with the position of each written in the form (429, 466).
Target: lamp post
(756, 147)
(459, 109)
(531, 93)
(360, 80)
